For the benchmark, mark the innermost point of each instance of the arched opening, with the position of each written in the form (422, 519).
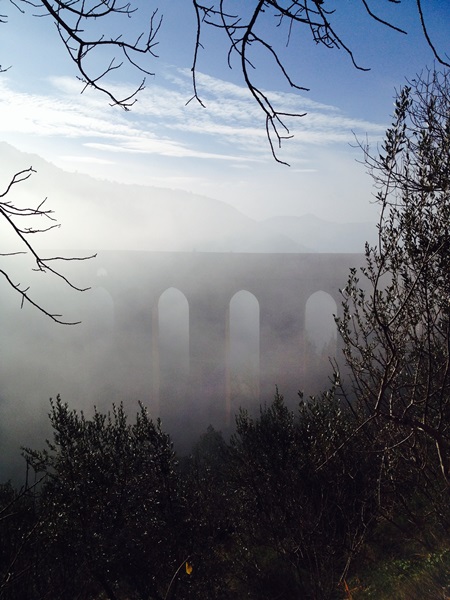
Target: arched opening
(243, 354)
(320, 338)
(319, 323)
(173, 351)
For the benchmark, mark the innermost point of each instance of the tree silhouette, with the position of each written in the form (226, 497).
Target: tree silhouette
(25, 222)
(397, 335)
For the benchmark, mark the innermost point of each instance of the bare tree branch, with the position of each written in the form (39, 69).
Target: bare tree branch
(11, 213)
(249, 29)
(75, 19)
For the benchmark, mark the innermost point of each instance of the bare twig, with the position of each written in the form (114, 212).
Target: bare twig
(249, 30)
(11, 213)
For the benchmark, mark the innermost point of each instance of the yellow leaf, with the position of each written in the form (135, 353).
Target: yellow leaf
(188, 568)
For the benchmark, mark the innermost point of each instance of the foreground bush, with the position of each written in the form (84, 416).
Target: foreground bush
(113, 514)
(280, 513)
(295, 505)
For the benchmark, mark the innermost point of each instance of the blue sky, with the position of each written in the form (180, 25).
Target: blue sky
(220, 151)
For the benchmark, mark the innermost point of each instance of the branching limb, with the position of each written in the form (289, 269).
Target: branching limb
(77, 23)
(249, 30)
(10, 214)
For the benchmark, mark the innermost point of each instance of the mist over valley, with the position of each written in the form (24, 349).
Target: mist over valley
(160, 254)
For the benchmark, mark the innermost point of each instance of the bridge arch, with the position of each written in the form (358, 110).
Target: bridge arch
(320, 327)
(242, 352)
(170, 351)
(320, 343)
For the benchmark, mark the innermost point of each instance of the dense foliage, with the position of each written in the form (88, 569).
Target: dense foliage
(269, 513)
(290, 507)
(111, 503)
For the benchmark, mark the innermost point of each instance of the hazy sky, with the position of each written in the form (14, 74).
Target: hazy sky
(220, 150)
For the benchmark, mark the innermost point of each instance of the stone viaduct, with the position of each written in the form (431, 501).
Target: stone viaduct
(281, 283)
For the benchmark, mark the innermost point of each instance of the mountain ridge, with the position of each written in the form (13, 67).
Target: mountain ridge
(101, 214)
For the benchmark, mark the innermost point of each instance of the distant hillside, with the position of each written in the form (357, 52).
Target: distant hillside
(103, 215)
(98, 214)
(324, 236)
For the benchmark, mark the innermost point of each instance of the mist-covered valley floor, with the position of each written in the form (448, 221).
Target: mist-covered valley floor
(40, 359)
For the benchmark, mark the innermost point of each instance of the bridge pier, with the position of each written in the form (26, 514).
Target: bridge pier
(207, 354)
